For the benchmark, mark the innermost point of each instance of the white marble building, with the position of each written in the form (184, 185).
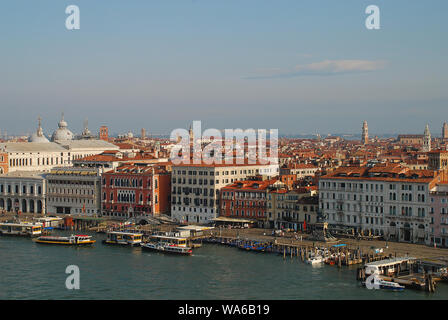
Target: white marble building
(395, 206)
(23, 191)
(39, 154)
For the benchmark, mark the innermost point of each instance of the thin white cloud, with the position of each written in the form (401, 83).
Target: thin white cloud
(324, 68)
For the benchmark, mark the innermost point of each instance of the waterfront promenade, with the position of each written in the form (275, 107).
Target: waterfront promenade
(419, 251)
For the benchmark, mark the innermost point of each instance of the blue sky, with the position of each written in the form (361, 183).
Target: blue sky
(300, 66)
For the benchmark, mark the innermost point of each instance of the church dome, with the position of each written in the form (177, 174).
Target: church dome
(38, 136)
(62, 133)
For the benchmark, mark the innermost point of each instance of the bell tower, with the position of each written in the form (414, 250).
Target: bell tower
(365, 133)
(427, 140)
(104, 133)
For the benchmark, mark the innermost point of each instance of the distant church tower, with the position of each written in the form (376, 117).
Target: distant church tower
(365, 133)
(445, 131)
(104, 133)
(86, 134)
(191, 133)
(427, 140)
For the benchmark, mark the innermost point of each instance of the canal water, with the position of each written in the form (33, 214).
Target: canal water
(36, 271)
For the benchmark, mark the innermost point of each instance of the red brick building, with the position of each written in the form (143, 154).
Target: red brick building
(136, 189)
(288, 179)
(104, 133)
(246, 199)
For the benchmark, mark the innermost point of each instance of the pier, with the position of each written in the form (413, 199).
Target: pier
(408, 272)
(333, 255)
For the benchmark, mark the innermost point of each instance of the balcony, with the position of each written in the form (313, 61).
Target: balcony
(69, 195)
(407, 218)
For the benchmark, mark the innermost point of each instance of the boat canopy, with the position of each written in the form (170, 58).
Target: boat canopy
(126, 233)
(168, 237)
(389, 262)
(23, 224)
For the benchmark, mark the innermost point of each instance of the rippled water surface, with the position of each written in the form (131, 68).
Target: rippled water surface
(35, 271)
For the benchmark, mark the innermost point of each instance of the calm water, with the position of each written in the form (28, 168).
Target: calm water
(36, 271)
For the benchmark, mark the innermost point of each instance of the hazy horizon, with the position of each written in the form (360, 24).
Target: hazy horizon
(77, 129)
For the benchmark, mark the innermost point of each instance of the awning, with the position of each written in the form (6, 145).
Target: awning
(223, 219)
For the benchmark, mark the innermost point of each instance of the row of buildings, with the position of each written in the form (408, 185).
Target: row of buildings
(140, 188)
(114, 185)
(385, 187)
(390, 200)
(271, 203)
(68, 174)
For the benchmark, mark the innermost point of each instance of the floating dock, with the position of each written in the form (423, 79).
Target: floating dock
(406, 271)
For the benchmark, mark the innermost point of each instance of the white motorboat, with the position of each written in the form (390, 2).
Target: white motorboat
(21, 229)
(375, 282)
(315, 260)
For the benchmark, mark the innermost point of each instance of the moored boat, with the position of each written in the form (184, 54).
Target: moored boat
(255, 247)
(27, 229)
(314, 260)
(123, 238)
(390, 285)
(169, 238)
(164, 247)
(375, 282)
(167, 243)
(74, 240)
